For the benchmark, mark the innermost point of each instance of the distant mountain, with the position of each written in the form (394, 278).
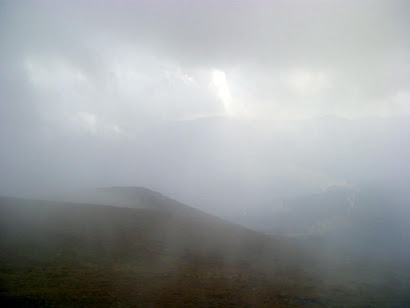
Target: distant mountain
(131, 197)
(368, 221)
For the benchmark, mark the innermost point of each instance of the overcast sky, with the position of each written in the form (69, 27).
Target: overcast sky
(220, 104)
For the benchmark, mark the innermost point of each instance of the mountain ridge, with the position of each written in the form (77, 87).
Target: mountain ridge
(131, 197)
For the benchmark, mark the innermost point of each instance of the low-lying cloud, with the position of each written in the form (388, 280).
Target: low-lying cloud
(214, 103)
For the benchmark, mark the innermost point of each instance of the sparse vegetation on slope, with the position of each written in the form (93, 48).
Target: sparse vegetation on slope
(65, 254)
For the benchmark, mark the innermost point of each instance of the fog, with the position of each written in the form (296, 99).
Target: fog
(224, 106)
(205, 153)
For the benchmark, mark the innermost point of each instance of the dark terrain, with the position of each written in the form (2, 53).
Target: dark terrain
(71, 254)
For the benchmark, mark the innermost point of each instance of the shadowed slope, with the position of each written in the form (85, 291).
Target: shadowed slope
(66, 254)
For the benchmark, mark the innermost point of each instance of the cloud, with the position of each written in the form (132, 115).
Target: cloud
(88, 121)
(338, 54)
(203, 99)
(304, 82)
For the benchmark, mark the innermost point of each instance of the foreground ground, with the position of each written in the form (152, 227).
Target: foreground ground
(61, 254)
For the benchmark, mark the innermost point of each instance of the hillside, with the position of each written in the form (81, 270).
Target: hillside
(66, 254)
(62, 253)
(130, 197)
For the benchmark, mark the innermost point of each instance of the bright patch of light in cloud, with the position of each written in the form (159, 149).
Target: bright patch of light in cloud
(221, 87)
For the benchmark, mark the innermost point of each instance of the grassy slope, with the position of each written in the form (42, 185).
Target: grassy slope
(62, 254)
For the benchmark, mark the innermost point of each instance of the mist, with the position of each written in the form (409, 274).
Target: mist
(247, 139)
(220, 105)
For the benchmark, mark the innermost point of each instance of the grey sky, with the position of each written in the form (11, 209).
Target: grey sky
(215, 103)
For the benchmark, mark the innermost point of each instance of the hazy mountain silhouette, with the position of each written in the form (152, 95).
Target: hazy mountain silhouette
(370, 221)
(131, 197)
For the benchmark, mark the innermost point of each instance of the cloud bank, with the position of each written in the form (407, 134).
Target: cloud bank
(216, 103)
